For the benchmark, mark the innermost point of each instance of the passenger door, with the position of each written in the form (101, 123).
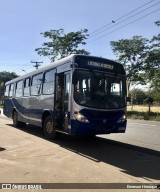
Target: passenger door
(62, 103)
(66, 100)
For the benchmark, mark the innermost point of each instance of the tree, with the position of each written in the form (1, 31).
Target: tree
(153, 56)
(61, 44)
(4, 77)
(131, 53)
(156, 95)
(152, 65)
(137, 96)
(154, 77)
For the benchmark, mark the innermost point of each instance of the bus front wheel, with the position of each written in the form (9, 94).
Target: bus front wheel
(17, 123)
(49, 129)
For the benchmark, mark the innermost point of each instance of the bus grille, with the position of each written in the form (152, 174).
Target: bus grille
(102, 117)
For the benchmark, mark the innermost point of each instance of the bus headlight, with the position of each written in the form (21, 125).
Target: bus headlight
(80, 117)
(122, 119)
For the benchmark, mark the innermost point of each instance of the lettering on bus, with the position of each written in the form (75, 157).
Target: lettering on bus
(102, 65)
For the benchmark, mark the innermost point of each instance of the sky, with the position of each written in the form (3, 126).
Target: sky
(22, 21)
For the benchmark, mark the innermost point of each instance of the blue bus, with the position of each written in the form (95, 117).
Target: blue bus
(79, 95)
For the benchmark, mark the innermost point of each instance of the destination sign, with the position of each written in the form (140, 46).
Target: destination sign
(98, 63)
(102, 65)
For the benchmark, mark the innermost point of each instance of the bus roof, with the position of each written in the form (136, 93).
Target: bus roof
(44, 68)
(68, 59)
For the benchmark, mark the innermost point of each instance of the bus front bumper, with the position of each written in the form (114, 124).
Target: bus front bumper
(82, 129)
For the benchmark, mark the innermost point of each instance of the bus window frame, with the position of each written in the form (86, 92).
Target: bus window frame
(10, 96)
(6, 96)
(54, 69)
(40, 92)
(21, 88)
(24, 86)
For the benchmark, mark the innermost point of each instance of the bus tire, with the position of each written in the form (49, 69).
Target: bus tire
(48, 128)
(17, 123)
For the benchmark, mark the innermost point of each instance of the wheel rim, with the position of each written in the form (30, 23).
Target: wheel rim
(49, 127)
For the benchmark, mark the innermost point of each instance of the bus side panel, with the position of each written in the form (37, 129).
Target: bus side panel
(25, 109)
(8, 107)
(13, 103)
(37, 105)
(35, 110)
(19, 108)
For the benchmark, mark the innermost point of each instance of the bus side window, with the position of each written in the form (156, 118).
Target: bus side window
(18, 92)
(11, 90)
(6, 91)
(36, 85)
(26, 87)
(49, 81)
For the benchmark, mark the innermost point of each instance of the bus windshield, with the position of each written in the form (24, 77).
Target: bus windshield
(100, 90)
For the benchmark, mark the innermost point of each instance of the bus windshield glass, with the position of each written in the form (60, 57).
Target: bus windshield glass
(99, 90)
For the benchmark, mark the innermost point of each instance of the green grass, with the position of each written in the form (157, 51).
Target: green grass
(152, 116)
(142, 112)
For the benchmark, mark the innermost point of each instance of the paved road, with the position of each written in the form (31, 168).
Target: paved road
(25, 156)
(140, 133)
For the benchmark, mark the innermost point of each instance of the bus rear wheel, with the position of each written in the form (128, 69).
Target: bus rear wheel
(49, 129)
(17, 123)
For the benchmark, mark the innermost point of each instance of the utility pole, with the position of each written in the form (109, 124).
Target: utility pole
(36, 64)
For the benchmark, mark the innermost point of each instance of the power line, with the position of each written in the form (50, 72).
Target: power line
(24, 70)
(21, 66)
(124, 25)
(17, 67)
(9, 64)
(25, 66)
(123, 20)
(121, 17)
